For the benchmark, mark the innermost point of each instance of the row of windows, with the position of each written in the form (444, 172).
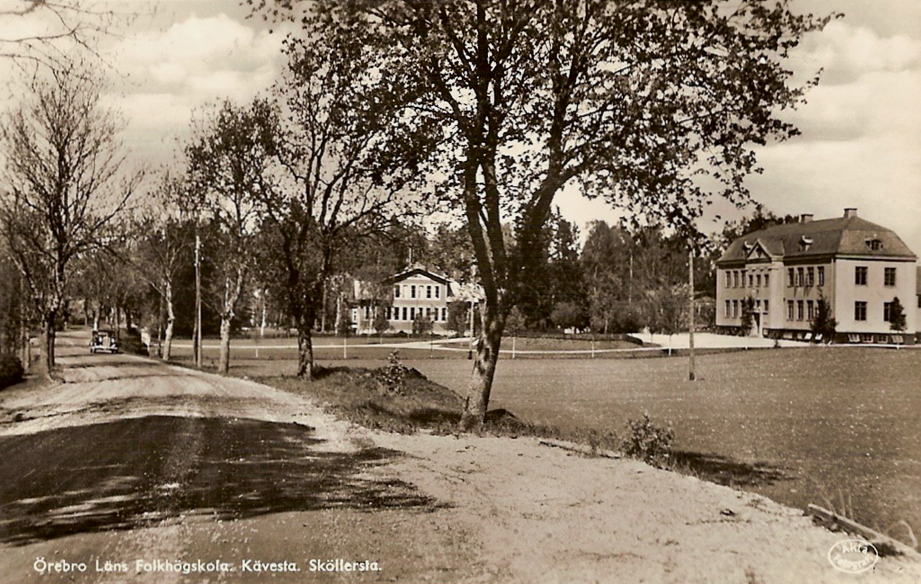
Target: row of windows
(733, 308)
(805, 276)
(412, 291)
(800, 310)
(736, 279)
(860, 276)
(409, 313)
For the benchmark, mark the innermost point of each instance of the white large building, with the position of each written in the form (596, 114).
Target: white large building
(859, 267)
(413, 293)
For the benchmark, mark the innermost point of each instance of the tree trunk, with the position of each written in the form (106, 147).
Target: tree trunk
(484, 369)
(305, 367)
(170, 319)
(47, 343)
(223, 365)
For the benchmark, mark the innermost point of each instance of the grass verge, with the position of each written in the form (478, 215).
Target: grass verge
(366, 397)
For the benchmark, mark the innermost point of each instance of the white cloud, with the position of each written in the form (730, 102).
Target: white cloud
(200, 48)
(168, 75)
(846, 52)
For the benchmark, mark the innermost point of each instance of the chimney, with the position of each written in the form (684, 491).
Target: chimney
(850, 212)
(805, 218)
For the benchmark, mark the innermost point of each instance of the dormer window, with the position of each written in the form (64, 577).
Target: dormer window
(804, 243)
(875, 244)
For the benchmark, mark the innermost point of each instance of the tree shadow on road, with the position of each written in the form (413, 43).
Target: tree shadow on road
(141, 472)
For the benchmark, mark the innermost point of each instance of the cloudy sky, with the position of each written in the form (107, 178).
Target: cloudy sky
(861, 129)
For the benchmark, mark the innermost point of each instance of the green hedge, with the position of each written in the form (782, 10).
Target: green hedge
(10, 370)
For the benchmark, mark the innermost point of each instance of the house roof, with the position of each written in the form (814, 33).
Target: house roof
(842, 236)
(417, 271)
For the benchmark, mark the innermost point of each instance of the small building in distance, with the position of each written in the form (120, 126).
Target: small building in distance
(778, 275)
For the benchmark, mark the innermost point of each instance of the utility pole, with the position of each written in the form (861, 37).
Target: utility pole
(692, 373)
(196, 342)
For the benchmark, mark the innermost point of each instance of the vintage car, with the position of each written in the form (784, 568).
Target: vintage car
(103, 342)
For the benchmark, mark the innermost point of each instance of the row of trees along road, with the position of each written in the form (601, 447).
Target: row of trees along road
(628, 100)
(63, 184)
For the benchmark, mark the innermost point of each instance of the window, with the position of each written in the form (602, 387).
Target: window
(428, 291)
(799, 276)
(438, 292)
(875, 244)
(444, 314)
(412, 291)
(810, 309)
(405, 313)
(766, 307)
(789, 310)
(810, 277)
(860, 276)
(860, 311)
(887, 311)
(412, 313)
(821, 275)
(735, 279)
(743, 278)
(790, 277)
(396, 291)
(751, 281)
(767, 281)
(889, 277)
(758, 281)
(799, 310)
(727, 312)
(728, 279)
(735, 309)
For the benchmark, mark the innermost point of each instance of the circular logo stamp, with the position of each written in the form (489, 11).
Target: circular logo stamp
(853, 556)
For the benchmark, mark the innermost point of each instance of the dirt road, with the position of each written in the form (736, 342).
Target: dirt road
(134, 471)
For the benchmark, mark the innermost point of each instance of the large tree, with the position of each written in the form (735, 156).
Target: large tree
(230, 160)
(64, 182)
(164, 244)
(341, 124)
(630, 100)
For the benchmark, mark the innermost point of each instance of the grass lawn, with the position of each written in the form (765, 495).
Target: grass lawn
(834, 426)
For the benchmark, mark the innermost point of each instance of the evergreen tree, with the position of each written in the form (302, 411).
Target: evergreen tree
(823, 323)
(897, 320)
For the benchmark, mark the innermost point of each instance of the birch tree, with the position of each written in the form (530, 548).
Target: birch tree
(229, 172)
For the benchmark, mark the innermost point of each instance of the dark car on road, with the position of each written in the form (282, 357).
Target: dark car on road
(103, 342)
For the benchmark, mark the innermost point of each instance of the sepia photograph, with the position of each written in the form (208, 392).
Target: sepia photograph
(460, 291)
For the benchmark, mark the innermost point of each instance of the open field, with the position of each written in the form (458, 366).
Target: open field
(835, 426)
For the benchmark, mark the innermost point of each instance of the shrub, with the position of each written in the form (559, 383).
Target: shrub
(11, 370)
(647, 442)
(394, 374)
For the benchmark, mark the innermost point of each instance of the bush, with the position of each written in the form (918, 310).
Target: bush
(648, 442)
(11, 370)
(394, 374)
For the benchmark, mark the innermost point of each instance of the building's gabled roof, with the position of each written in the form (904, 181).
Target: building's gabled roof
(418, 271)
(842, 236)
